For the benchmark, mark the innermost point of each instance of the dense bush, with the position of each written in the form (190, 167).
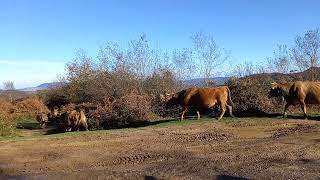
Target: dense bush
(250, 96)
(28, 107)
(6, 107)
(129, 110)
(7, 126)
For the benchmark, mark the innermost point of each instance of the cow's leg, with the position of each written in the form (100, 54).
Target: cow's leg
(230, 110)
(183, 111)
(84, 126)
(304, 109)
(198, 114)
(285, 110)
(223, 110)
(43, 125)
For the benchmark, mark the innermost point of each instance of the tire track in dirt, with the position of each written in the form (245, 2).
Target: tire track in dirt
(298, 129)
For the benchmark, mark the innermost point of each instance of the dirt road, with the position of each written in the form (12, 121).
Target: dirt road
(266, 149)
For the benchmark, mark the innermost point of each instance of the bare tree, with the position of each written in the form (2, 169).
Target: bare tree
(208, 53)
(183, 63)
(81, 66)
(109, 53)
(242, 70)
(140, 57)
(8, 85)
(262, 68)
(306, 50)
(280, 62)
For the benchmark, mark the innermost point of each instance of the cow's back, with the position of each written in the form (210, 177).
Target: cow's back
(208, 97)
(307, 91)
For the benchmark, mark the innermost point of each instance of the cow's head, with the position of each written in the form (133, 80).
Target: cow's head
(275, 90)
(170, 99)
(54, 113)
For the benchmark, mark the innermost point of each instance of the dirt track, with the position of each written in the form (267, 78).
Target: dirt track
(279, 149)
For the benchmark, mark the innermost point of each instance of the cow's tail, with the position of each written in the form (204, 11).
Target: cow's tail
(229, 98)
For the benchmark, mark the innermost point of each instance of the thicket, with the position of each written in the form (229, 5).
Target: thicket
(121, 86)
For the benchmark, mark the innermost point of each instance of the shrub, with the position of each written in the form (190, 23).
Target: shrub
(129, 110)
(5, 107)
(249, 96)
(7, 127)
(28, 107)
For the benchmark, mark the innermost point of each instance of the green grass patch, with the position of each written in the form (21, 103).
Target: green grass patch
(30, 129)
(27, 123)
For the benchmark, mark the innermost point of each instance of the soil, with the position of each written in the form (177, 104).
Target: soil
(275, 149)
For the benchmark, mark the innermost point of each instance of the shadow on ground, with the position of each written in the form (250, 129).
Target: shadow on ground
(53, 130)
(28, 125)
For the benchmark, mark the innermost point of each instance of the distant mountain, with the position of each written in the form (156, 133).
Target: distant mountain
(43, 86)
(201, 81)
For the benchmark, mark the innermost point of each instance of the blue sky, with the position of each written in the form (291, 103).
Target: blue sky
(37, 37)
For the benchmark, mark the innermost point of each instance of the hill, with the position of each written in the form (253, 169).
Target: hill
(43, 86)
(201, 81)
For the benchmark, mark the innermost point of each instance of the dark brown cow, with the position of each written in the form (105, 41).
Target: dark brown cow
(42, 118)
(74, 121)
(202, 98)
(299, 92)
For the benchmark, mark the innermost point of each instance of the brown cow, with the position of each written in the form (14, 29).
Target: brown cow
(299, 92)
(42, 118)
(82, 123)
(74, 121)
(202, 98)
(54, 113)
